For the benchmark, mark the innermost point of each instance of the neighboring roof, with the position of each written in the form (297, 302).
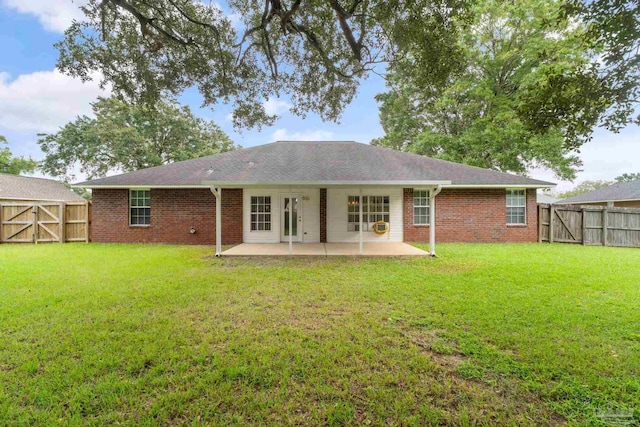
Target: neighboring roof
(318, 162)
(15, 187)
(545, 198)
(629, 190)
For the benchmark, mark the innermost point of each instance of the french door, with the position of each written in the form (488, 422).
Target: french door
(290, 204)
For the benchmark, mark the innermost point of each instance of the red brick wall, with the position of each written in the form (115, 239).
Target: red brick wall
(471, 215)
(323, 215)
(173, 213)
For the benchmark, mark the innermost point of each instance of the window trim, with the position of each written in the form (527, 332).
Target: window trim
(131, 190)
(428, 206)
(367, 212)
(270, 213)
(516, 224)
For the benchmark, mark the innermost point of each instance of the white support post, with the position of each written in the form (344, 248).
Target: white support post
(360, 220)
(217, 192)
(432, 219)
(290, 223)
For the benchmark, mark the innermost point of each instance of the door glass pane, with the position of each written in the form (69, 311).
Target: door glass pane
(294, 218)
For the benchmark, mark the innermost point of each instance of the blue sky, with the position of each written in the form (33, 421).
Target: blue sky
(35, 98)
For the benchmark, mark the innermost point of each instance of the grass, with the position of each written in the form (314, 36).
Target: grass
(162, 335)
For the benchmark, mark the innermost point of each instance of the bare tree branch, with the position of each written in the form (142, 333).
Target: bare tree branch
(356, 47)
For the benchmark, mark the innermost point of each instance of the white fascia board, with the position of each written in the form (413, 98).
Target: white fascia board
(239, 184)
(499, 186)
(135, 187)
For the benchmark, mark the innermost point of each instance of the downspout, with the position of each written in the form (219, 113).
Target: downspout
(432, 219)
(217, 192)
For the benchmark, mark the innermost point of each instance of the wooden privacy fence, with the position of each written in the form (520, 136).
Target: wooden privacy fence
(45, 222)
(589, 225)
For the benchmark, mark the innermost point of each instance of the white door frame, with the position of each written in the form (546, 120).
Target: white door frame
(300, 226)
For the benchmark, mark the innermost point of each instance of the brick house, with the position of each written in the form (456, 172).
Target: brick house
(310, 192)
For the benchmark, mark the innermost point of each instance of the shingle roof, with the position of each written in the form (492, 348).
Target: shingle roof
(313, 162)
(629, 190)
(17, 187)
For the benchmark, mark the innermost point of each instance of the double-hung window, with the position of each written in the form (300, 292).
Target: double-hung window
(139, 207)
(516, 207)
(374, 209)
(260, 213)
(420, 207)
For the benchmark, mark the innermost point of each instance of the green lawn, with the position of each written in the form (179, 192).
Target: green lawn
(484, 334)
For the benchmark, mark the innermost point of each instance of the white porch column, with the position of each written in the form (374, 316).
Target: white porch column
(360, 220)
(217, 192)
(290, 223)
(432, 219)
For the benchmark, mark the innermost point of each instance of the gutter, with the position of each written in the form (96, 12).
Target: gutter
(238, 184)
(231, 184)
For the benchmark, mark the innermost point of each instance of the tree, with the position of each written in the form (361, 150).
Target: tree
(626, 177)
(584, 187)
(314, 51)
(612, 81)
(474, 117)
(14, 165)
(123, 137)
(317, 52)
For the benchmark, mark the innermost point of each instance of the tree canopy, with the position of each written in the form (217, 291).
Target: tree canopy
(14, 165)
(477, 116)
(317, 52)
(123, 137)
(626, 177)
(313, 51)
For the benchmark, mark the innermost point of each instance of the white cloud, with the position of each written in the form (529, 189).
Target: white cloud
(606, 156)
(44, 100)
(306, 135)
(275, 106)
(54, 15)
(57, 15)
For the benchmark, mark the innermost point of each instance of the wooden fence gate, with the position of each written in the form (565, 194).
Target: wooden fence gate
(589, 225)
(44, 222)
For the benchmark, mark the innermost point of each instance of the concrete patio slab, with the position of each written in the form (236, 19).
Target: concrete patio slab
(324, 249)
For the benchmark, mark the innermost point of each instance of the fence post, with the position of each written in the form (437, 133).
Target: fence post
(62, 207)
(35, 223)
(584, 227)
(87, 223)
(539, 223)
(604, 226)
(552, 211)
(1, 226)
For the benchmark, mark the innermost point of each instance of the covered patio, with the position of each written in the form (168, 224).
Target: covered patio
(325, 249)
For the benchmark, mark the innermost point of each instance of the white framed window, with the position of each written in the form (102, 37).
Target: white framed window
(261, 213)
(420, 207)
(516, 207)
(139, 207)
(374, 209)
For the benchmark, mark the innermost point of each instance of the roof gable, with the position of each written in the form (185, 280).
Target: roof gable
(314, 162)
